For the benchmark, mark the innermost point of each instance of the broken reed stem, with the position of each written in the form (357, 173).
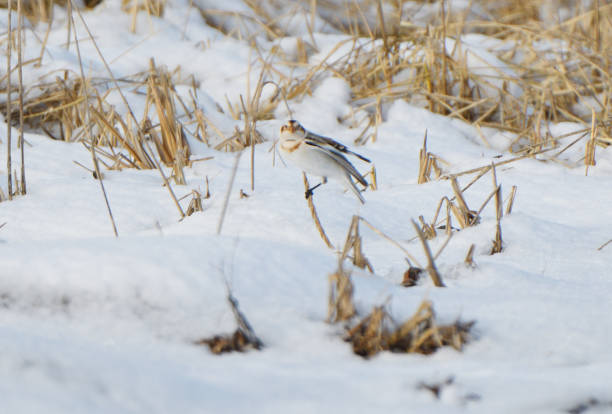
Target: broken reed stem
(9, 109)
(459, 196)
(431, 266)
(129, 108)
(464, 215)
(373, 181)
(88, 129)
(20, 143)
(511, 200)
(315, 216)
(469, 257)
(353, 241)
(227, 193)
(589, 152)
(497, 243)
(424, 162)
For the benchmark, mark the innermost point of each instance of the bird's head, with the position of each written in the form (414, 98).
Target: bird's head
(292, 128)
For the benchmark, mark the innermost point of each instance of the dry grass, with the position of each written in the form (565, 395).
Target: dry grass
(378, 332)
(545, 83)
(402, 61)
(42, 10)
(354, 244)
(243, 338)
(419, 334)
(60, 109)
(458, 208)
(340, 304)
(427, 163)
(195, 204)
(57, 107)
(151, 7)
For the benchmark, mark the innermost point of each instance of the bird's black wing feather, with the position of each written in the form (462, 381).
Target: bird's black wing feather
(335, 144)
(340, 159)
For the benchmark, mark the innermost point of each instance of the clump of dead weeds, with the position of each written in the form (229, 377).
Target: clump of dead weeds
(243, 338)
(377, 331)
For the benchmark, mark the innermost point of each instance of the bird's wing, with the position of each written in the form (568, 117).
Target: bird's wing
(321, 140)
(339, 159)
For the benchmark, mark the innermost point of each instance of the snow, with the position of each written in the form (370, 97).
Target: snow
(94, 323)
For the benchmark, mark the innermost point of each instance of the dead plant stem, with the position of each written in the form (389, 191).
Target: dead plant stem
(20, 143)
(9, 108)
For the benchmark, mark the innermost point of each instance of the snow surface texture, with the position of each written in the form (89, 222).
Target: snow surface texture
(91, 323)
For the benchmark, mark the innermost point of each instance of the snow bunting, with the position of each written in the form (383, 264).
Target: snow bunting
(321, 156)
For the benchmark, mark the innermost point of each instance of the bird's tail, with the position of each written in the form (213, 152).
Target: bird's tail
(353, 187)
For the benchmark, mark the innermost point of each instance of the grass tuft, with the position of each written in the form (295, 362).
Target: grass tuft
(421, 333)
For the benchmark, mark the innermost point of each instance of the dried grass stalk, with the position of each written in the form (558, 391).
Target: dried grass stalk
(431, 266)
(315, 216)
(424, 162)
(465, 216)
(195, 204)
(469, 257)
(172, 147)
(354, 242)
(497, 242)
(373, 180)
(340, 304)
(589, 152)
(511, 200)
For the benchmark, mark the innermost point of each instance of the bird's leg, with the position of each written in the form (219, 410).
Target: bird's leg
(310, 191)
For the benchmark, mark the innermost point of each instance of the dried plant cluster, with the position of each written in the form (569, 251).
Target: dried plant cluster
(243, 338)
(42, 10)
(378, 332)
(556, 71)
(559, 72)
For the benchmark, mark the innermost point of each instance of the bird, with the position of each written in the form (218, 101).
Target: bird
(321, 156)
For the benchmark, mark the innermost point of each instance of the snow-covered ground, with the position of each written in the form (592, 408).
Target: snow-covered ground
(98, 324)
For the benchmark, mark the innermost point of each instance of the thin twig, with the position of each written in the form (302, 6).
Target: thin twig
(228, 192)
(604, 245)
